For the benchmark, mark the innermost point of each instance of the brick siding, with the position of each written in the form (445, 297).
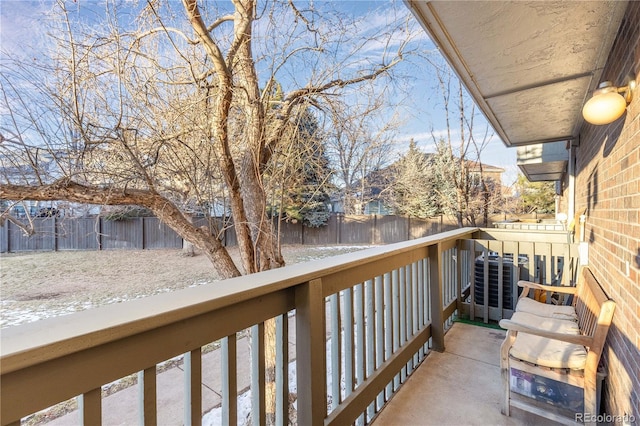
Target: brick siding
(608, 188)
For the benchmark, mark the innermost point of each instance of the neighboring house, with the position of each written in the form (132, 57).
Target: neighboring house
(378, 197)
(490, 172)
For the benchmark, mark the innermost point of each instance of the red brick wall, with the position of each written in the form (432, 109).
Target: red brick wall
(608, 188)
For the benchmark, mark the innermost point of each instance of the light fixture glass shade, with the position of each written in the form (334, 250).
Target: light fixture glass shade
(605, 107)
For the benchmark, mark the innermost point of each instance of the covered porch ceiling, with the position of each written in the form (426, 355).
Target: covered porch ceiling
(529, 66)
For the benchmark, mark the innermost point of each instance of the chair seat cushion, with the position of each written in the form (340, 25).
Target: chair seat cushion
(548, 352)
(546, 310)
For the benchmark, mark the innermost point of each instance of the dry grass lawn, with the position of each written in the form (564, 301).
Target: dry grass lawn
(36, 285)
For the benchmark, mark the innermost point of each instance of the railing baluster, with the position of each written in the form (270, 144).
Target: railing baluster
(358, 297)
(512, 247)
(229, 376)
(453, 280)
(402, 286)
(258, 411)
(527, 248)
(282, 369)
(427, 294)
(395, 313)
(485, 284)
(445, 278)
(409, 310)
(147, 386)
(388, 327)
(549, 269)
(349, 358)
(497, 247)
(414, 307)
(193, 387)
(459, 265)
(369, 297)
(380, 336)
(358, 310)
(567, 276)
(472, 268)
(90, 405)
(420, 304)
(336, 351)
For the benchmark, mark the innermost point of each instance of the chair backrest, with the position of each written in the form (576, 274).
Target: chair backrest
(590, 300)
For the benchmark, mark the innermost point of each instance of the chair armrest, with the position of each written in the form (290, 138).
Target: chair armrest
(553, 288)
(569, 338)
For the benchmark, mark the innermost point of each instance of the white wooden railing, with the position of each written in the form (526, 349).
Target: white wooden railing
(379, 311)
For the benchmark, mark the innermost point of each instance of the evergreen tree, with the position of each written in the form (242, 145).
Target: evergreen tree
(536, 196)
(413, 188)
(304, 175)
(447, 175)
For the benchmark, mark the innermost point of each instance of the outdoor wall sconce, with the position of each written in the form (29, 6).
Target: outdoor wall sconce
(607, 104)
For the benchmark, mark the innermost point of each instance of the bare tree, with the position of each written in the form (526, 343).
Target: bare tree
(462, 187)
(177, 111)
(360, 142)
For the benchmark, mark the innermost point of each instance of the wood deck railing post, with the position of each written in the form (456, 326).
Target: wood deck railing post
(193, 387)
(148, 404)
(435, 297)
(229, 376)
(90, 405)
(258, 403)
(311, 354)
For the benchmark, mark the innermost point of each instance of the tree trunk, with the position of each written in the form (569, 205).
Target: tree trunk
(188, 250)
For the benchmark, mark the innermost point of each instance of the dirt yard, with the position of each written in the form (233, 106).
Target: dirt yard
(37, 285)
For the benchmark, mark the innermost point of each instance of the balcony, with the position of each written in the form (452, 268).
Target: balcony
(354, 331)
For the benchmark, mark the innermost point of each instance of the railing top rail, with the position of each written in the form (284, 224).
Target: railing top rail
(29, 344)
(529, 235)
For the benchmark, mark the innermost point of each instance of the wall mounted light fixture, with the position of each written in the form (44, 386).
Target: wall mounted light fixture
(607, 104)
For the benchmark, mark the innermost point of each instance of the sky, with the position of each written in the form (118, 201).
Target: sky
(420, 109)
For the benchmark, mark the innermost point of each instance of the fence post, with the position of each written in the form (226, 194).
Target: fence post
(55, 233)
(224, 233)
(311, 354)
(100, 219)
(435, 297)
(373, 229)
(142, 233)
(4, 237)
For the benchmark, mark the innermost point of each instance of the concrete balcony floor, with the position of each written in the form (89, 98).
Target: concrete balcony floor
(460, 386)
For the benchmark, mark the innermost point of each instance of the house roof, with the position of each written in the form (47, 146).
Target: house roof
(529, 66)
(486, 168)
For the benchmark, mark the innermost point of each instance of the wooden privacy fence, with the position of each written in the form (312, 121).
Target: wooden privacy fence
(52, 234)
